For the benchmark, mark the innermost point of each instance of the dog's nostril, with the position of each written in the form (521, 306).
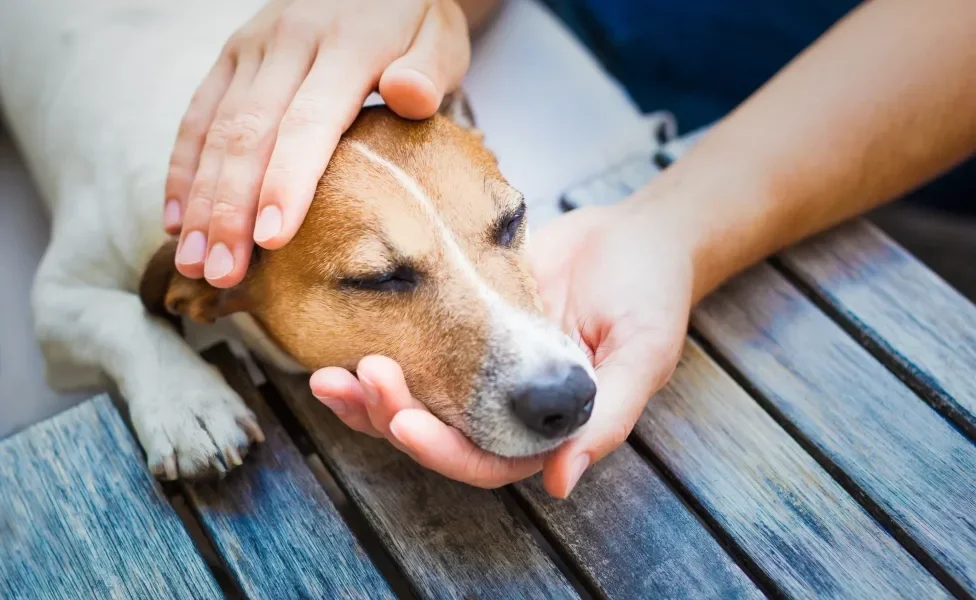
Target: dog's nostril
(553, 421)
(556, 404)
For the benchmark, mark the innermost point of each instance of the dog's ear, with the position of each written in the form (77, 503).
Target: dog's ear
(455, 107)
(167, 293)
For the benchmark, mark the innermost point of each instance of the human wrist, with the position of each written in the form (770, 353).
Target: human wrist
(724, 222)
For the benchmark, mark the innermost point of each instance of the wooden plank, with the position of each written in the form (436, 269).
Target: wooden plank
(924, 328)
(907, 459)
(81, 517)
(449, 539)
(798, 525)
(632, 537)
(274, 526)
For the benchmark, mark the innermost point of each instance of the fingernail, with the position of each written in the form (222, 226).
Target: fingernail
(193, 248)
(579, 466)
(171, 214)
(334, 404)
(372, 395)
(395, 430)
(268, 224)
(220, 262)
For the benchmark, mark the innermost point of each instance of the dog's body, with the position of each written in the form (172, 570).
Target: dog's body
(476, 305)
(88, 321)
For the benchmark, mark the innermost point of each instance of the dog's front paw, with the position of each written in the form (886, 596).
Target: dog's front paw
(199, 432)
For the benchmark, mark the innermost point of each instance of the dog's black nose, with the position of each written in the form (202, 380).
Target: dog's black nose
(556, 403)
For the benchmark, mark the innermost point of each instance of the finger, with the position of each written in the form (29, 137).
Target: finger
(385, 392)
(192, 248)
(627, 381)
(447, 451)
(414, 85)
(248, 148)
(341, 392)
(189, 142)
(324, 107)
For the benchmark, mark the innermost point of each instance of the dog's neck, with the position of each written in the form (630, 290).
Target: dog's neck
(257, 340)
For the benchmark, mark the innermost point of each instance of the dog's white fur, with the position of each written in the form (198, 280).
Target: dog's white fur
(95, 124)
(94, 92)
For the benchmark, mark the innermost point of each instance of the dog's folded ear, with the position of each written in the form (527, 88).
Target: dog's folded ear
(165, 292)
(455, 106)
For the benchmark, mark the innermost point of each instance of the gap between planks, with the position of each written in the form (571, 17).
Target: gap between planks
(350, 513)
(176, 494)
(885, 521)
(191, 523)
(926, 388)
(745, 562)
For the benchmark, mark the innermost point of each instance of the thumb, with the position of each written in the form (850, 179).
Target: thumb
(414, 85)
(629, 377)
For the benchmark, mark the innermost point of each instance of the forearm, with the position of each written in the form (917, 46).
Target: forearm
(478, 12)
(881, 104)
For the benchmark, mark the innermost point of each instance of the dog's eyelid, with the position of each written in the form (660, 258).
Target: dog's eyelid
(402, 278)
(509, 224)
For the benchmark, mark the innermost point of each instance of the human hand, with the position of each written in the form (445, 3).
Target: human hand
(376, 402)
(619, 280)
(631, 320)
(262, 126)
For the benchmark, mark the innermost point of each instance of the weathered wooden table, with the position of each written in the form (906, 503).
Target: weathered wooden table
(817, 440)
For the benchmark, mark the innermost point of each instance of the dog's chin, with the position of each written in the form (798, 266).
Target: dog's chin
(508, 447)
(508, 438)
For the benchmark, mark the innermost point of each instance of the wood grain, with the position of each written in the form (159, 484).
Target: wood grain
(272, 523)
(810, 538)
(632, 537)
(80, 516)
(925, 329)
(918, 469)
(449, 539)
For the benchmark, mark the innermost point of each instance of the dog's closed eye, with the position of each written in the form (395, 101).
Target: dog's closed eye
(509, 226)
(401, 279)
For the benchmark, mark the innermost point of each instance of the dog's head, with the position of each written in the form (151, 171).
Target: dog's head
(413, 249)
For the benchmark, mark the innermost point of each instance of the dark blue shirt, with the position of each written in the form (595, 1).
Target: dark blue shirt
(699, 59)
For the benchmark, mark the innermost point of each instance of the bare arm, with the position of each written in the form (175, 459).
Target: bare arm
(878, 106)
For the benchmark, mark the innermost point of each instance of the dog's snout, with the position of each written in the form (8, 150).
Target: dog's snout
(556, 404)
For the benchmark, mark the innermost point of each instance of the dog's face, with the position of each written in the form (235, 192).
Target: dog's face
(413, 249)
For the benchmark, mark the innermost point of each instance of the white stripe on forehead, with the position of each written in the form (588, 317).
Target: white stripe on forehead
(536, 343)
(417, 193)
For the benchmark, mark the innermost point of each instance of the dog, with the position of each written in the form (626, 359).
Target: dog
(413, 248)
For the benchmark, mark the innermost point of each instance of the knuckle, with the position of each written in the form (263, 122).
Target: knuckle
(290, 26)
(246, 133)
(197, 207)
(217, 135)
(304, 111)
(226, 213)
